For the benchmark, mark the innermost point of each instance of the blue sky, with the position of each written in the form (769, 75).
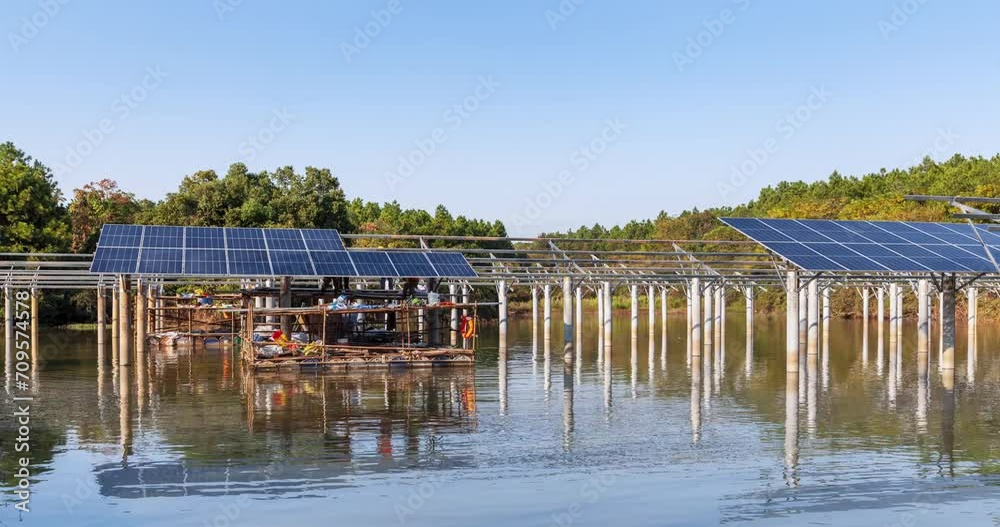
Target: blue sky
(568, 112)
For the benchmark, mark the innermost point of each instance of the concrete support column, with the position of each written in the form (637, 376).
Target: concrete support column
(663, 327)
(792, 322)
(708, 316)
(34, 326)
(534, 321)
(453, 293)
(651, 298)
(690, 321)
(285, 300)
(124, 321)
(609, 309)
(972, 316)
(568, 334)
(893, 299)
(466, 298)
(865, 322)
(880, 345)
(547, 307)
(803, 315)
(102, 313)
(694, 295)
(578, 323)
(600, 323)
(812, 320)
(748, 293)
(948, 324)
(502, 312)
(825, 296)
(717, 328)
(940, 327)
(140, 319)
(923, 321)
(634, 320)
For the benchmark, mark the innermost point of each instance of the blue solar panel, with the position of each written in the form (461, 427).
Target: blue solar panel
(821, 245)
(323, 240)
(115, 260)
(248, 262)
(373, 264)
(451, 265)
(205, 238)
(333, 263)
(161, 261)
(291, 263)
(244, 238)
(284, 240)
(205, 261)
(412, 264)
(120, 236)
(163, 236)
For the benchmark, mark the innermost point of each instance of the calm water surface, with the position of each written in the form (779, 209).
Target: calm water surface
(191, 439)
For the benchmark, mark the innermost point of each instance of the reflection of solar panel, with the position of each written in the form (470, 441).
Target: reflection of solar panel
(237, 251)
(451, 265)
(876, 246)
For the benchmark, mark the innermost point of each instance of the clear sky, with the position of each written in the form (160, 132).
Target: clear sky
(568, 112)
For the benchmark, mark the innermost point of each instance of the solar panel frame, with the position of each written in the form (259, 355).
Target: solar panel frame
(161, 261)
(451, 265)
(115, 260)
(333, 263)
(322, 239)
(374, 264)
(879, 246)
(412, 264)
(291, 263)
(198, 261)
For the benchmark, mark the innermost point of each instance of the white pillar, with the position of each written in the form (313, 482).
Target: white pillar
(547, 308)
(948, 324)
(812, 314)
(663, 326)
(8, 329)
(634, 296)
(124, 322)
(792, 322)
(502, 312)
(708, 316)
(453, 292)
(748, 292)
(600, 323)
(865, 315)
(695, 297)
(609, 309)
(567, 292)
(825, 295)
(651, 297)
(880, 345)
(534, 321)
(923, 322)
(101, 316)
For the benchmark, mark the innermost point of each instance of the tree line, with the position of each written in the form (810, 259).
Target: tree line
(35, 216)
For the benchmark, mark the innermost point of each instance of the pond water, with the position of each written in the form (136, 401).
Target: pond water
(191, 439)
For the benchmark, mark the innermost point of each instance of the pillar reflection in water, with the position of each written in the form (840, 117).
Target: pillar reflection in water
(811, 382)
(567, 407)
(696, 399)
(948, 422)
(125, 412)
(791, 429)
(502, 378)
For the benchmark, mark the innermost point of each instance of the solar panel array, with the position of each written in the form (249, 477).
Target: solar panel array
(875, 246)
(209, 251)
